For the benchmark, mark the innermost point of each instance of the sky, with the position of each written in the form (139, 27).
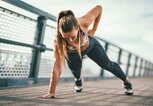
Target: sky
(126, 23)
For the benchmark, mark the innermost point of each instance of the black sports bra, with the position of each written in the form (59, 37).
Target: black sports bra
(84, 39)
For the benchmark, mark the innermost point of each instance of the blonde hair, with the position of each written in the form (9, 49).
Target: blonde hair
(66, 21)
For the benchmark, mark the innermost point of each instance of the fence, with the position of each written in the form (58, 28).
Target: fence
(26, 48)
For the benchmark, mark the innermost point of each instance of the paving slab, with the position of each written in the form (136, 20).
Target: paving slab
(95, 93)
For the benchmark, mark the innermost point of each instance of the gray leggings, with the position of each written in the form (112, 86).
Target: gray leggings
(95, 52)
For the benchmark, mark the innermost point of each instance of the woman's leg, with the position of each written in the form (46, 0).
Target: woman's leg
(98, 55)
(75, 64)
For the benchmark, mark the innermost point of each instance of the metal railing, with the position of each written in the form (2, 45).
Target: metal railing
(129, 62)
(23, 53)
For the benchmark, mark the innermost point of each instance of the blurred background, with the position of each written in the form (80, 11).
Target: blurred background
(127, 23)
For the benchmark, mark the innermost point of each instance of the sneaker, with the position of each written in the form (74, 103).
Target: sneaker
(128, 88)
(78, 85)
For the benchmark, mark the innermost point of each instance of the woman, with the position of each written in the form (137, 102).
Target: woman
(73, 41)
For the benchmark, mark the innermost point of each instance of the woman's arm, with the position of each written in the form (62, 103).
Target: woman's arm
(92, 16)
(57, 69)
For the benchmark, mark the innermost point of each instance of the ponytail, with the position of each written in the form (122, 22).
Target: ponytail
(64, 13)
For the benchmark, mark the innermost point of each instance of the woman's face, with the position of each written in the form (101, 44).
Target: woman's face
(70, 36)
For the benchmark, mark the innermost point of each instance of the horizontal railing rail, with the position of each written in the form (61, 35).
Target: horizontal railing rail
(42, 47)
(30, 8)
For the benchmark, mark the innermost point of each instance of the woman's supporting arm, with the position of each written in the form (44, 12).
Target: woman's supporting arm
(55, 76)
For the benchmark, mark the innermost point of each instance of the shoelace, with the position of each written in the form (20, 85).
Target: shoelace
(78, 82)
(127, 85)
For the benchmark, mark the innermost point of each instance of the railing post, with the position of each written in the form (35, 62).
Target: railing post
(106, 49)
(106, 46)
(36, 56)
(119, 56)
(150, 68)
(145, 68)
(128, 64)
(135, 66)
(140, 69)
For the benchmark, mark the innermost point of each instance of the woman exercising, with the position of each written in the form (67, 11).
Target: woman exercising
(73, 40)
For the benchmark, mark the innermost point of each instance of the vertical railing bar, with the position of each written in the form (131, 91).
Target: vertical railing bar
(36, 56)
(106, 50)
(140, 68)
(145, 65)
(135, 66)
(119, 56)
(128, 64)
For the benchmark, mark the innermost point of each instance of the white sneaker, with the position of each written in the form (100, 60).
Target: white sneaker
(128, 88)
(78, 85)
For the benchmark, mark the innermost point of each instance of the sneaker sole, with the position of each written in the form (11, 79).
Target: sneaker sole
(128, 93)
(80, 90)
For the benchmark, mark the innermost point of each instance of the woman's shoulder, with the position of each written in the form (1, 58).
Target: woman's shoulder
(87, 19)
(82, 21)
